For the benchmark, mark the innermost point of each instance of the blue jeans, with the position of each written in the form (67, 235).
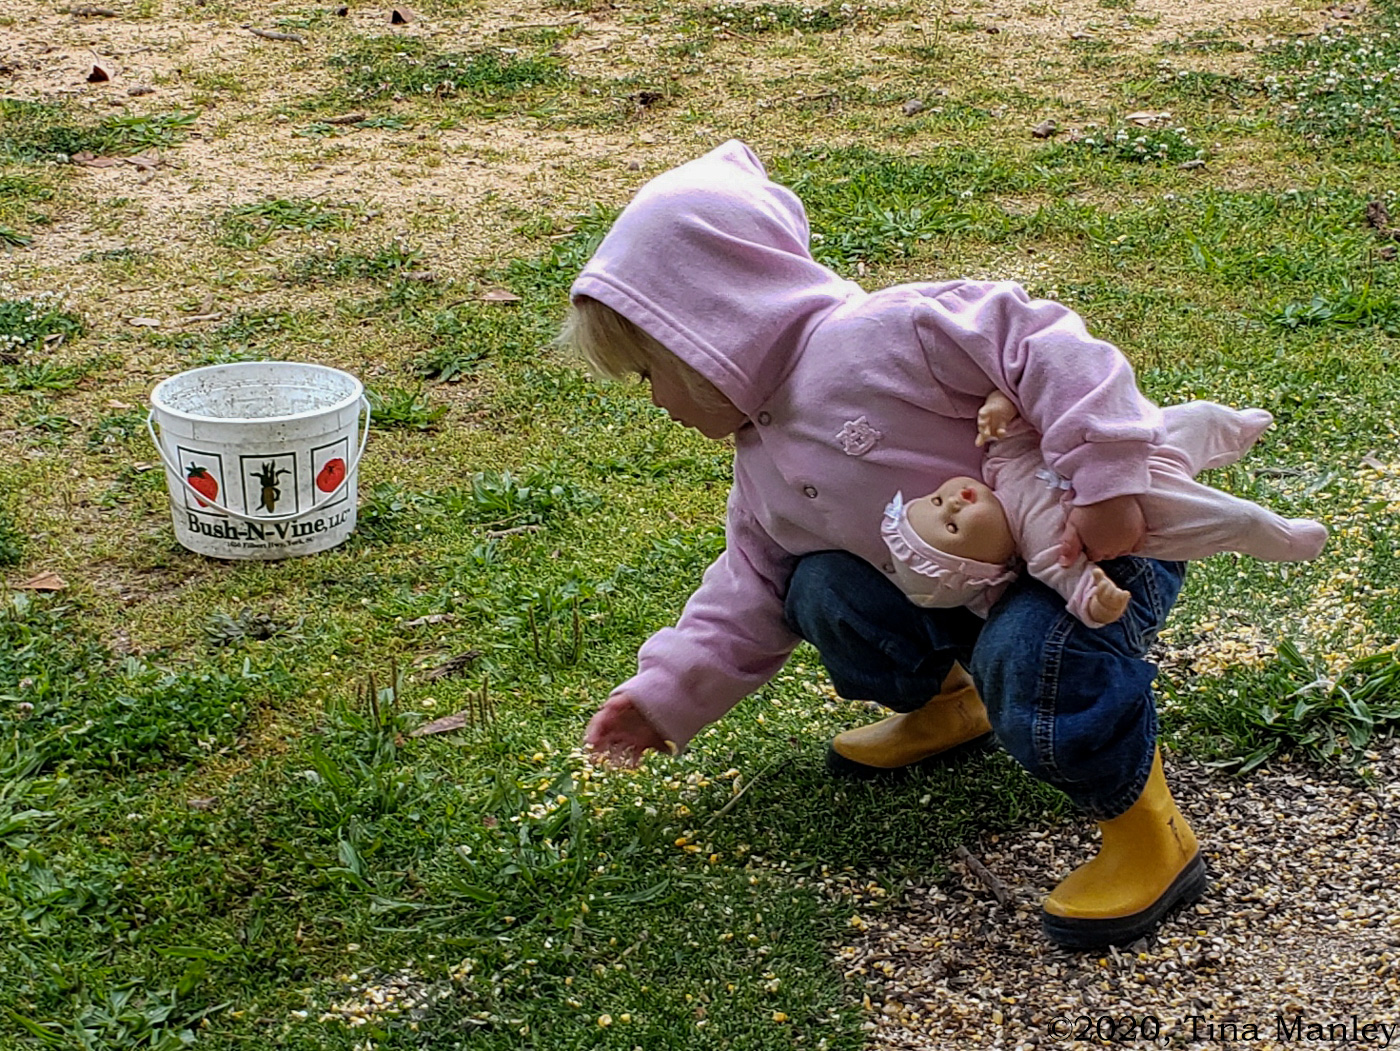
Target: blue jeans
(1073, 705)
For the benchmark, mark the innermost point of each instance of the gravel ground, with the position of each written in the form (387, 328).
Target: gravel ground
(1296, 944)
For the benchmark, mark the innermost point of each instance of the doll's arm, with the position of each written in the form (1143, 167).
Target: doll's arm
(1088, 592)
(994, 417)
(1038, 514)
(1107, 601)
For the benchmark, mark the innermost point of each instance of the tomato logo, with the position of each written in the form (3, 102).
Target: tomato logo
(202, 482)
(330, 476)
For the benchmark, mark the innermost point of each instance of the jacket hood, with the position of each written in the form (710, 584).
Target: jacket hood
(712, 260)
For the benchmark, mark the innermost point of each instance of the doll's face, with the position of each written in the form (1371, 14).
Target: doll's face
(709, 412)
(962, 517)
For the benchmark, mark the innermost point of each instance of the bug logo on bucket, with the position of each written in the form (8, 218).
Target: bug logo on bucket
(270, 483)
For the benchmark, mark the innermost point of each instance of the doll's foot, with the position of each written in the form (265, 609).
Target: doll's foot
(1226, 434)
(1253, 423)
(1309, 537)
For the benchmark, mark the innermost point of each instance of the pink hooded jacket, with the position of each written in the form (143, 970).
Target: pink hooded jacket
(851, 397)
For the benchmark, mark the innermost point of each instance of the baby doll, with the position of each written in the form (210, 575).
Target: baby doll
(958, 545)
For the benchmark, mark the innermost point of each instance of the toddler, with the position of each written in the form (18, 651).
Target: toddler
(835, 397)
(959, 545)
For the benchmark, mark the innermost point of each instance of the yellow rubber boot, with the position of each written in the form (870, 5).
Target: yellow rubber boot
(1149, 862)
(955, 717)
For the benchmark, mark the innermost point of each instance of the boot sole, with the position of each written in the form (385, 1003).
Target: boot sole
(839, 766)
(1074, 933)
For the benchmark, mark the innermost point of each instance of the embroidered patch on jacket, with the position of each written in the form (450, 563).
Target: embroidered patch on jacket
(857, 438)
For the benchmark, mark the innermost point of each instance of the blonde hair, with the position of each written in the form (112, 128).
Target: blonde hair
(614, 348)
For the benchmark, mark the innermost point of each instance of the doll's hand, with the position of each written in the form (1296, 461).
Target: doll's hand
(1107, 602)
(620, 733)
(1101, 531)
(994, 417)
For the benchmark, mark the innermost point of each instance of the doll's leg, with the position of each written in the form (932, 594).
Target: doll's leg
(1074, 706)
(1202, 434)
(1188, 520)
(876, 645)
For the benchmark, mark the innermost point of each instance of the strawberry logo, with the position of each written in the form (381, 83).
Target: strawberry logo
(330, 476)
(202, 482)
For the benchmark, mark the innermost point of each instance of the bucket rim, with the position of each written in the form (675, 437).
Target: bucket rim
(160, 406)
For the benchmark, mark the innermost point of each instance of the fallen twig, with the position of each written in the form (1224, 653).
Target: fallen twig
(495, 533)
(984, 874)
(740, 794)
(349, 118)
(272, 34)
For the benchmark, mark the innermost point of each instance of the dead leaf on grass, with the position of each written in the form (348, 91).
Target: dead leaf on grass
(144, 322)
(500, 295)
(1146, 118)
(431, 618)
(458, 721)
(91, 160)
(454, 665)
(43, 582)
(402, 16)
(100, 73)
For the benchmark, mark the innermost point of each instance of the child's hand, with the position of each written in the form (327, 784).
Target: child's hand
(620, 733)
(1102, 531)
(1107, 602)
(994, 417)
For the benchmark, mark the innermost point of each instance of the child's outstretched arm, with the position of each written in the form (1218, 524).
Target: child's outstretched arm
(730, 640)
(1107, 529)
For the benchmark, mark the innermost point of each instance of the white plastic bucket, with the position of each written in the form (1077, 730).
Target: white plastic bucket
(261, 457)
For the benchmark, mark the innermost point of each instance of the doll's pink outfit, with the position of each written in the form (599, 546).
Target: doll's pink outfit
(1185, 519)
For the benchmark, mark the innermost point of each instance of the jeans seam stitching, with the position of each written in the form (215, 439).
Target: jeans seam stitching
(1047, 703)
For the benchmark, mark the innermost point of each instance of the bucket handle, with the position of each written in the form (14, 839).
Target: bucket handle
(179, 473)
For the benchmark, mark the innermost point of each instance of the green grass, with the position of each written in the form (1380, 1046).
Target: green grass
(334, 263)
(253, 225)
(385, 67)
(28, 323)
(41, 130)
(1340, 87)
(217, 828)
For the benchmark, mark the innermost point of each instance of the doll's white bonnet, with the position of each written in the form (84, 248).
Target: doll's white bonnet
(934, 578)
